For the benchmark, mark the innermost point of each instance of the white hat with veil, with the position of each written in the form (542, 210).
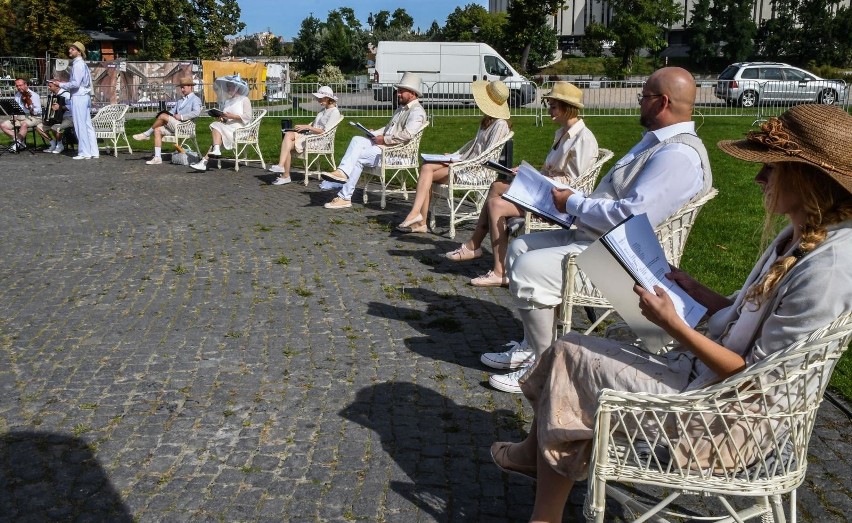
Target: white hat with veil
(228, 86)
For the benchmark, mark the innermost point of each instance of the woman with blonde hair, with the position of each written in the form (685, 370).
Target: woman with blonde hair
(492, 99)
(802, 282)
(294, 140)
(574, 150)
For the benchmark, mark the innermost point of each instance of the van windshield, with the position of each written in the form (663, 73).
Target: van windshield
(495, 66)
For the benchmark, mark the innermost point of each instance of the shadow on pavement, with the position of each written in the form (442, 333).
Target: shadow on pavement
(53, 477)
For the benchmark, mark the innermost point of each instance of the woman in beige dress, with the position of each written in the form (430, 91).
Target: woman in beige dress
(492, 99)
(802, 282)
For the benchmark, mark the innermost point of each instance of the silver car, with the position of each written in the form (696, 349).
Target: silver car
(748, 83)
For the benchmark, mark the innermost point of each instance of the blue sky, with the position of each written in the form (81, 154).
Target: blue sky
(284, 17)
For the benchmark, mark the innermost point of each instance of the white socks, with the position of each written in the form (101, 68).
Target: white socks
(149, 132)
(158, 151)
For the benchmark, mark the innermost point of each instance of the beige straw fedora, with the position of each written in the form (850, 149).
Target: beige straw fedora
(566, 92)
(491, 98)
(411, 82)
(819, 135)
(80, 47)
(185, 80)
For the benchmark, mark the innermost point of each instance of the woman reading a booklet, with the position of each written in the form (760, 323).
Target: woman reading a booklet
(294, 139)
(234, 112)
(802, 282)
(574, 150)
(492, 99)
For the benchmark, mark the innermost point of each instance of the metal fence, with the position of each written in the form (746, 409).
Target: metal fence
(601, 98)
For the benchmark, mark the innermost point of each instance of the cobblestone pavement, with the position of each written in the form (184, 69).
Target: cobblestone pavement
(177, 346)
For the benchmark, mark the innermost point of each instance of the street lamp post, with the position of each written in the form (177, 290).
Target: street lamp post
(141, 23)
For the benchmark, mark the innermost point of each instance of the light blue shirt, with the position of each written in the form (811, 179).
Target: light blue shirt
(80, 83)
(188, 107)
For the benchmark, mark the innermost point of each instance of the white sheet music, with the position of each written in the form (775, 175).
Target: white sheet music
(531, 190)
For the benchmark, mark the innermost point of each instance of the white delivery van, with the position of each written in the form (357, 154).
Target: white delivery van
(447, 68)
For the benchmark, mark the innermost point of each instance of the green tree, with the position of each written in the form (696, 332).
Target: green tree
(843, 26)
(273, 47)
(733, 25)
(400, 20)
(527, 28)
(308, 46)
(703, 47)
(639, 24)
(592, 42)
(817, 34)
(460, 24)
(773, 39)
(246, 47)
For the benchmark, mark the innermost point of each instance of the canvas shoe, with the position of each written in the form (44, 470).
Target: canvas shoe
(49, 149)
(518, 355)
(82, 157)
(337, 176)
(281, 181)
(508, 382)
(141, 137)
(275, 168)
(200, 165)
(58, 149)
(490, 280)
(338, 203)
(155, 161)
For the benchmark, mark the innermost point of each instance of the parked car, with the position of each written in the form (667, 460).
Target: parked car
(746, 83)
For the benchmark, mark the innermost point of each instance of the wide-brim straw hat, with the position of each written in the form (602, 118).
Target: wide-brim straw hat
(185, 80)
(80, 47)
(566, 92)
(325, 92)
(492, 98)
(411, 82)
(220, 85)
(819, 135)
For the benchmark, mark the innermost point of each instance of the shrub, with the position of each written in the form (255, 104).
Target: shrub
(330, 75)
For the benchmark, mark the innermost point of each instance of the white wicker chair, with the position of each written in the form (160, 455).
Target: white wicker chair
(746, 436)
(578, 289)
(396, 164)
(586, 184)
(184, 132)
(469, 178)
(109, 126)
(319, 147)
(245, 140)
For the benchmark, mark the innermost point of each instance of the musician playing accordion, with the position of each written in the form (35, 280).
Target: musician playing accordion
(57, 117)
(31, 103)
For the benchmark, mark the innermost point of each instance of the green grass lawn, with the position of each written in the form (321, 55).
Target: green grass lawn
(723, 245)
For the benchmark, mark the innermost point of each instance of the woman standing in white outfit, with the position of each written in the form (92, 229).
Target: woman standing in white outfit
(232, 93)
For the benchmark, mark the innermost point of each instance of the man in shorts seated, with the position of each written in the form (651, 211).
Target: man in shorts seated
(187, 108)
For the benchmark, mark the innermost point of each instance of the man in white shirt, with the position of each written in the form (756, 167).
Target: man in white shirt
(187, 108)
(667, 169)
(31, 103)
(80, 87)
(406, 121)
(52, 129)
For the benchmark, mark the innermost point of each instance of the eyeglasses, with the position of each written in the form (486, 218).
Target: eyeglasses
(640, 96)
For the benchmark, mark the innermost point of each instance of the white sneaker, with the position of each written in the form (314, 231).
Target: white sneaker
(81, 157)
(58, 149)
(518, 355)
(141, 137)
(276, 168)
(155, 161)
(200, 166)
(338, 203)
(508, 382)
(281, 181)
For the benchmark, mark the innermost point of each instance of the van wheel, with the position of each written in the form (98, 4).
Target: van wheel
(827, 97)
(748, 99)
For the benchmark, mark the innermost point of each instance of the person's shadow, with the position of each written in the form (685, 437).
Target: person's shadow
(443, 449)
(54, 477)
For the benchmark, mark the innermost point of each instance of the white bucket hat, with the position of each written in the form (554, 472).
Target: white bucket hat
(325, 92)
(491, 98)
(411, 82)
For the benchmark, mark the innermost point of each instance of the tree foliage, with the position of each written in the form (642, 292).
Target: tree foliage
(528, 38)
(307, 46)
(174, 29)
(461, 22)
(703, 47)
(639, 24)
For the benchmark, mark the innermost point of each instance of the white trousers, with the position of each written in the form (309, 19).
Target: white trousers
(534, 266)
(87, 142)
(361, 152)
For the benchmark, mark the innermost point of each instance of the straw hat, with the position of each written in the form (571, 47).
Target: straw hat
(185, 80)
(491, 98)
(566, 92)
(80, 47)
(325, 92)
(411, 82)
(818, 135)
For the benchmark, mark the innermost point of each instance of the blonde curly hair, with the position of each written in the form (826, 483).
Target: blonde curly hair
(825, 203)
